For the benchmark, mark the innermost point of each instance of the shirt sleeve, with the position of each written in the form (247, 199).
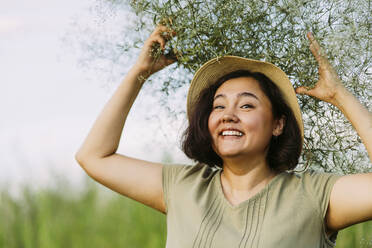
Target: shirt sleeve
(170, 174)
(320, 186)
(177, 179)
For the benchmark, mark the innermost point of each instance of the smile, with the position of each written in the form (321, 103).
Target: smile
(232, 133)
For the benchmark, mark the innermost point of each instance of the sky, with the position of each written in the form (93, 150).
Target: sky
(48, 101)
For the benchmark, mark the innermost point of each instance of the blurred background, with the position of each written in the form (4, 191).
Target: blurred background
(52, 91)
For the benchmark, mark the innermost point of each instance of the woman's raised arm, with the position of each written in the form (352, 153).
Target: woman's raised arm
(138, 179)
(351, 197)
(330, 89)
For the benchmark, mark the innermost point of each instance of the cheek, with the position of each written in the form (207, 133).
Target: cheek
(254, 122)
(212, 124)
(258, 123)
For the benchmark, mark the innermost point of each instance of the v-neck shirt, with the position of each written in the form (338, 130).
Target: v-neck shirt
(288, 212)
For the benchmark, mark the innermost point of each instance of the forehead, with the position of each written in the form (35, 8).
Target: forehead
(240, 84)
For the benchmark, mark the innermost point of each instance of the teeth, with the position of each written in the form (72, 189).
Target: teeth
(232, 133)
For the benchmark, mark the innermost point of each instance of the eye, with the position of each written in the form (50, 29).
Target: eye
(218, 107)
(246, 106)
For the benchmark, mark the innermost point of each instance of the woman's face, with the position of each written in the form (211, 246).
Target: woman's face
(241, 121)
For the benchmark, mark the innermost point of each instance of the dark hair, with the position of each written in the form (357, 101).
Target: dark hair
(284, 150)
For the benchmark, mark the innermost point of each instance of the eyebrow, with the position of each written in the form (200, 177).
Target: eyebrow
(247, 94)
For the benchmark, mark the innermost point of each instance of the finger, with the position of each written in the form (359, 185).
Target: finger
(164, 31)
(316, 50)
(303, 90)
(161, 28)
(314, 46)
(166, 36)
(166, 21)
(160, 40)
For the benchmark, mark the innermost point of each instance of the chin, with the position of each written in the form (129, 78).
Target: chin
(229, 154)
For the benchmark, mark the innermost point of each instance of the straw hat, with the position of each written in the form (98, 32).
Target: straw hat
(215, 68)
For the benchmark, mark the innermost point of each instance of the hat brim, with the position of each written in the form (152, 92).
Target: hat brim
(215, 68)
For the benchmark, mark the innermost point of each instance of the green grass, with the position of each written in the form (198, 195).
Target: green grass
(60, 217)
(358, 236)
(64, 217)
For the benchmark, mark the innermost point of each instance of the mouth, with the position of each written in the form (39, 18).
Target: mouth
(231, 133)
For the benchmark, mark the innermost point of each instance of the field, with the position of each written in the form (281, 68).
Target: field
(98, 218)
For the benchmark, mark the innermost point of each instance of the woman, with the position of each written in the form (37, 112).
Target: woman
(241, 125)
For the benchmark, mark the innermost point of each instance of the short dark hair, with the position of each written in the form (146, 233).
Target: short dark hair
(284, 150)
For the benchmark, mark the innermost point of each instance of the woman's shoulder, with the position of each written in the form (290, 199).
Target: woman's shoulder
(180, 180)
(188, 172)
(316, 177)
(313, 184)
(310, 175)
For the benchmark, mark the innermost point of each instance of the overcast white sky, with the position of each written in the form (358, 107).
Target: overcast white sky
(48, 103)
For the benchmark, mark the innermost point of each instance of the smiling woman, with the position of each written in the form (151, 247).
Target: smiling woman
(250, 132)
(245, 134)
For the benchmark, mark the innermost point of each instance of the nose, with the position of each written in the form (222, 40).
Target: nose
(229, 117)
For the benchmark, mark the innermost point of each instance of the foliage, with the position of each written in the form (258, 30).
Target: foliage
(62, 217)
(272, 31)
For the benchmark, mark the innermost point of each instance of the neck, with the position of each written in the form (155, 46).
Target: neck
(245, 175)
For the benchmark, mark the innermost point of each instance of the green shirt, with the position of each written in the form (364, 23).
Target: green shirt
(288, 212)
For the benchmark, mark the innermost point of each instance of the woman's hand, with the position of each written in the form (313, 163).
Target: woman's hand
(146, 61)
(329, 84)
